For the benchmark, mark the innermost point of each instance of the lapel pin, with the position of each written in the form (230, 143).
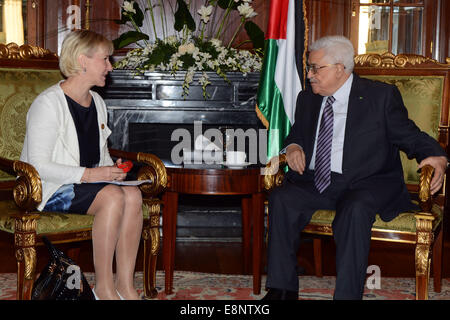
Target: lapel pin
(103, 126)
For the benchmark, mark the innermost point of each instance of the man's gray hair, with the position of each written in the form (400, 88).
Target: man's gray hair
(338, 48)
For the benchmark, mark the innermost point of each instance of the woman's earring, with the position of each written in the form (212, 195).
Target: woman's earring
(84, 70)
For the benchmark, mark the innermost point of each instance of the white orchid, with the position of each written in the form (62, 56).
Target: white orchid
(246, 11)
(205, 12)
(216, 42)
(202, 50)
(128, 6)
(171, 39)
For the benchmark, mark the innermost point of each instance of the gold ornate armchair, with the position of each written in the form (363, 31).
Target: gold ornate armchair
(425, 87)
(25, 72)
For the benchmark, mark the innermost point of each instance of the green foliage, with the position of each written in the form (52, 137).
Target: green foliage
(128, 38)
(255, 34)
(183, 17)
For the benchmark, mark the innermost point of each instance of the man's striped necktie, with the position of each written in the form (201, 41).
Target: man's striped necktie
(322, 173)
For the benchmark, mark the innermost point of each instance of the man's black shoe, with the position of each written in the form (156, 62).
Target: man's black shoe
(278, 294)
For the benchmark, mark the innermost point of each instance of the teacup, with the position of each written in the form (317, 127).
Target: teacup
(235, 157)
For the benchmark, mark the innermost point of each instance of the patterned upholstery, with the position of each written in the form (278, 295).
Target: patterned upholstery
(51, 222)
(405, 222)
(18, 89)
(422, 96)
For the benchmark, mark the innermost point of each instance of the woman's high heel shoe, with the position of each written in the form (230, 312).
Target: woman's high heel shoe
(121, 298)
(95, 296)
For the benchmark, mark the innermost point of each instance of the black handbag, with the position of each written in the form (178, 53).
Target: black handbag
(61, 279)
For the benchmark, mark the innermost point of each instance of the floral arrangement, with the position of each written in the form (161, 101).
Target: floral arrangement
(190, 48)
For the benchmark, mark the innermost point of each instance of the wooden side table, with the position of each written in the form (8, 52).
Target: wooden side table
(245, 182)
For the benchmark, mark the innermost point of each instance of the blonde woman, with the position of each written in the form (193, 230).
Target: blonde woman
(66, 141)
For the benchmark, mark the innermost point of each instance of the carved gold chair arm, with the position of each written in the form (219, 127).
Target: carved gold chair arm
(425, 199)
(273, 172)
(153, 170)
(27, 190)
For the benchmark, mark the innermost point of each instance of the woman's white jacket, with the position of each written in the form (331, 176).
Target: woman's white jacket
(51, 140)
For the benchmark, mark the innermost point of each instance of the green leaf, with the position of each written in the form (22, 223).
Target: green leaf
(188, 60)
(139, 16)
(129, 38)
(224, 4)
(183, 17)
(161, 53)
(255, 34)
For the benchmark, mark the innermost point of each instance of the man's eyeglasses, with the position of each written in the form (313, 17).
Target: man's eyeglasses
(315, 68)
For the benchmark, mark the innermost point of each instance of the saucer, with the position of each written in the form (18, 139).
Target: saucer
(236, 165)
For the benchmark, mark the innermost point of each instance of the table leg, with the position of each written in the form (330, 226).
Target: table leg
(246, 204)
(170, 210)
(258, 234)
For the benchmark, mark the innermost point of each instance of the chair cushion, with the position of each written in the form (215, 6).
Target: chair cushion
(405, 221)
(51, 222)
(18, 89)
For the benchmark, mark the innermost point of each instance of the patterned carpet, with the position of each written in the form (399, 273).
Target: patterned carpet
(205, 286)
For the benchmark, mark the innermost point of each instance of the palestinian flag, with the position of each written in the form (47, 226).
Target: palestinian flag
(282, 73)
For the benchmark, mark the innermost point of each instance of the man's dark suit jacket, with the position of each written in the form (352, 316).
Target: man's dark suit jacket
(377, 127)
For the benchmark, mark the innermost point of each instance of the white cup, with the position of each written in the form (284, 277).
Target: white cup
(235, 157)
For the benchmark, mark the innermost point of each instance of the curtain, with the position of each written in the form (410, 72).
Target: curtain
(13, 21)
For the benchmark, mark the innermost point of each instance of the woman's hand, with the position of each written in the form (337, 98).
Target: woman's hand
(107, 173)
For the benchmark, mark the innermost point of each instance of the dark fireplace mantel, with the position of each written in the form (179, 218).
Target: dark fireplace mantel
(156, 98)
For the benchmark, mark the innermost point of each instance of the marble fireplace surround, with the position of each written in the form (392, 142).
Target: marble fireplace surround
(156, 99)
(148, 106)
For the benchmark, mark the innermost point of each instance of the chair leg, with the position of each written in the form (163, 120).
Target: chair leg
(151, 237)
(317, 246)
(25, 251)
(424, 235)
(422, 285)
(437, 262)
(26, 269)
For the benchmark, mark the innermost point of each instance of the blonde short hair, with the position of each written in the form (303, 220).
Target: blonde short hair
(80, 42)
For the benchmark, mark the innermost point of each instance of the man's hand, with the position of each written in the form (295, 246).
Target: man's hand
(440, 165)
(295, 158)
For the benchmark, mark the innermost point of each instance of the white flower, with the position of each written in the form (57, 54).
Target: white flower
(216, 42)
(182, 49)
(128, 6)
(205, 12)
(246, 11)
(204, 79)
(162, 67)
(186, 48)
(171, 39)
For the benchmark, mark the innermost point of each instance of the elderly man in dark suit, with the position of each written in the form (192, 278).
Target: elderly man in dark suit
(343, 155)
